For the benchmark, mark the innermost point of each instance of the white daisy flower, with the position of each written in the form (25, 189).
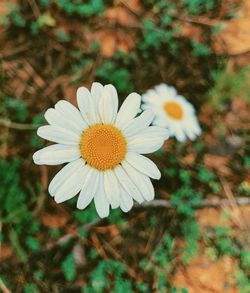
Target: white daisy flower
(172, 111)
(102, 148)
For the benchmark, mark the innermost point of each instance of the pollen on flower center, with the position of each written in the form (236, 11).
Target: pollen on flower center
(173, 110)
(103, 146)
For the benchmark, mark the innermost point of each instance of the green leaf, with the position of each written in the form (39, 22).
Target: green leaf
(69, 268)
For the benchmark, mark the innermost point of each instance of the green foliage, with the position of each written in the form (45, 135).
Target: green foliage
(43, 20)
(14, 209)
(12, 198)
(69, 268)
(200, 49)
(33, 243)
(82, 8)
(191, 233)
(224, 241)
(31, 288)
(185, 200)
(14, 17)
(62, 35)
(230, 85)
(87, 216)
(198, 6)
(155, 36)
(14, 109)
(118, 76)
(100, 277)
(243, 281)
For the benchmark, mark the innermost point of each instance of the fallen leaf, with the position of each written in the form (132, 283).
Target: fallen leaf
(113, 40)
(234, 38)
(56, 220)
(197, 275)
(218, 163)
(122, 16)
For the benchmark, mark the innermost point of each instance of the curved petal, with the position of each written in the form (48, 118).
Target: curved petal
(71, 113)
(139, 124)
(56, 154)
(148, 141)
(108, 104)
(71, 185)
(56, 118)
(179, 133)
(112, 188)
(88, 189)
(141, 181)
(58, 134)
(126, 201)
(143, 164)
(63, 174)
(86, 105)
(96, 91)
(100, 199)
(144, 145)
(129, 109)
(128, 184)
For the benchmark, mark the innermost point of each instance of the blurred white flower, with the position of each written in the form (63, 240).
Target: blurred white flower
(102, 149)
(172, 111)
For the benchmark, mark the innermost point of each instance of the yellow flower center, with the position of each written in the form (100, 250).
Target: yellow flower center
(173, 110)
(103, 146)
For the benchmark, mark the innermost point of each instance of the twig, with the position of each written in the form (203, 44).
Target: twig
(19, 126)
(3, 287)
(43, 195)
(157, 203)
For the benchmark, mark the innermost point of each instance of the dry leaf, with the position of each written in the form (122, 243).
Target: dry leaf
(122, 16)
(112, 41)
(234, 39)
(57, 220)
(197, 276)
(217, 163)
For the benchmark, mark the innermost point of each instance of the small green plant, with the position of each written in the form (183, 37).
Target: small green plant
(198, 6)
(69, 268)
(229, 85)
(81, 8)
(110, 72)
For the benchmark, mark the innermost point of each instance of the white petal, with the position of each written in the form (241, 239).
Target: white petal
(96, 91)
(126, 201)
(100, 199)
(56, 118)
(154, 132)
(128, 184)
(141, 181)
(112, 188)
(56, 154)
(179, 133)
(58, 134)
(88, 189)
(71, 185)
(86, 105)
(71, 113)
(63, 174)
(150, 140)
(139, 124)
(143, 164)
(129, 109)
(108, 104)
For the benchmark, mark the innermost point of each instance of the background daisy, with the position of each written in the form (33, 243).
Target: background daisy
(172, 111)
(103, 150)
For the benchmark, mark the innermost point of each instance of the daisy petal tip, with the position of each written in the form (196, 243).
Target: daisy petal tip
(158, 175)
(103, 215)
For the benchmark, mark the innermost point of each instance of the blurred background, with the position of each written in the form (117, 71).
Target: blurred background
(197, 239)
